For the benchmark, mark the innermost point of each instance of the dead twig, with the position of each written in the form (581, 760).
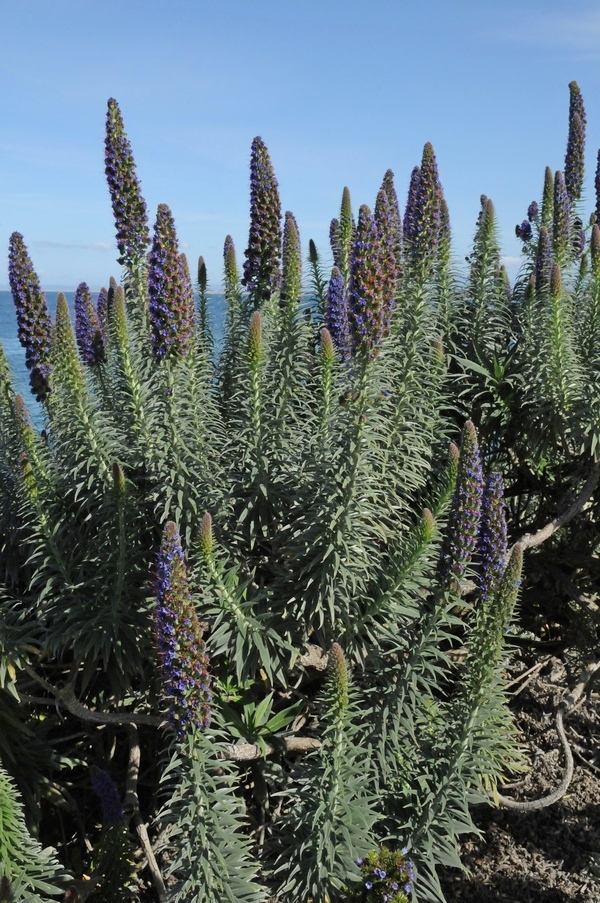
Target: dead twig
(567, 705)
(132, 805)
(529, 540)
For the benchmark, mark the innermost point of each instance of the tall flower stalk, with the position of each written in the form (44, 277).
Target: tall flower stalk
(33, 320)
(370, 296)
(463, 522)
(87, 328)
(181, 649)
(574, 157)
(171, 306)
(129, 207)
(262, 267)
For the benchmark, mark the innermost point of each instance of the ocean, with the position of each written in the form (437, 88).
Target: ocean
(15, 353)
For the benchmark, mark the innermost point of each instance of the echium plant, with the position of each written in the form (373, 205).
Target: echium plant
(33, 319)
(183, 660)
(371, 292)
(262, 267)
(171, 301)
(465, 512)
(129, 207)
(319, 658)
(87, 327)
(574, 157)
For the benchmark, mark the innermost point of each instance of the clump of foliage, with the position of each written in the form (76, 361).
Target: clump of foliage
(255, 591)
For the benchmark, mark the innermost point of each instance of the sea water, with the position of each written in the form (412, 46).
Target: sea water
(15, 353)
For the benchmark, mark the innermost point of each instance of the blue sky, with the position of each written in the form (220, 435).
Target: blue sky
(339, 90)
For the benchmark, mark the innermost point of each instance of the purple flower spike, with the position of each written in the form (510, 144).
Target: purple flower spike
(524, 231)
(336, 313)
(493, 543)
(129, 207)
(263, 256)
(181, 649)
(574, 157)
(422, 216)
(533, 212)
(87, 328)
(108, 794)
(33, 319)
(463, 521)
(410, 221)
(369, 303)
(171, 305)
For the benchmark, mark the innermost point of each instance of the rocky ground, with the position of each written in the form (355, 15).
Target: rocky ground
(549, 855)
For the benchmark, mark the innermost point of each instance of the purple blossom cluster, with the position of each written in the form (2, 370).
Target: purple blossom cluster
(171, 304)
(108, 794)
(336, 313)
(387, 877)
(262, 273)
(181, 649)
(33, 319)
(129, 207)
(493, 540)
(87, 328)
(533, 212)
(462, 532)
(410, 211)
(574, 157)
(422, 214)
(524, 231)
(369, 298)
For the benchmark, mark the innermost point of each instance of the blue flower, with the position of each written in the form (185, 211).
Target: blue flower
(129, 207)
(33, 320)
(368, 885)
(524, 231)
(183, 660)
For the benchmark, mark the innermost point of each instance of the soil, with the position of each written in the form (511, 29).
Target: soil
(549, 855)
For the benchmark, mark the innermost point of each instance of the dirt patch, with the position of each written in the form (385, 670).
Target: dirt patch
(550, 855)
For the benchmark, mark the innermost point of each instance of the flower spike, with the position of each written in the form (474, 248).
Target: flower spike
(87, 328)
(574, 158)
(129, 207)
(171, 304)
(181, 650)
(33, 318)
(262, 273)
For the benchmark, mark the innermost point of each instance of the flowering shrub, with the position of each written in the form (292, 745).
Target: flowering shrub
(254, 593)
